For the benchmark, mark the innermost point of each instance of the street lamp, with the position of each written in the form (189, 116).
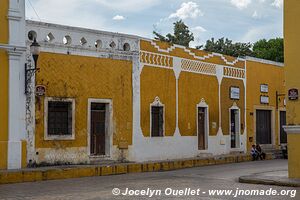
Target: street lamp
(29, 69)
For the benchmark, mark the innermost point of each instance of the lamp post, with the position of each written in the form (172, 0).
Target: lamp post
(29, 69)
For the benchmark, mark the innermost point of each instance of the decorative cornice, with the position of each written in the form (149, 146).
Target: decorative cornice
(295, 129)
(13, 49)
(209, 55)
(59, 49)
(14, 14)
(270, 62)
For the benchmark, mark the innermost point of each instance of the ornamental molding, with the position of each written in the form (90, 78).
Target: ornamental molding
(292, 129)
(157, 102)
(202, 104)
(198, 67)
(234, 106)
(14, 14)
(56, 38)
(12, 50)
(179, 64)
(209, 55)
(156, 60)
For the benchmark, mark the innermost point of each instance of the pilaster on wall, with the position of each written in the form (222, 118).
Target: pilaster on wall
(177, 70)
(220, 72)
(17, 99)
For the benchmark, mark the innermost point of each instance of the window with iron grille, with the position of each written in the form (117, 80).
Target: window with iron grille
(59, 118)
(157, 121)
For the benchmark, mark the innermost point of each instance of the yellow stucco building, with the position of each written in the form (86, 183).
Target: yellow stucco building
(292, 41)
(102, 95)
(106, 96)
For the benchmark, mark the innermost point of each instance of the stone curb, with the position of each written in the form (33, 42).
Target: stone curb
(66, 172)
(267, 180)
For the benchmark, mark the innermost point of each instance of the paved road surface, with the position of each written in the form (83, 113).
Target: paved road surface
(100, 188)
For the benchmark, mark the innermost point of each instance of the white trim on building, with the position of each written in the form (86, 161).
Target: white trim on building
(203, 104)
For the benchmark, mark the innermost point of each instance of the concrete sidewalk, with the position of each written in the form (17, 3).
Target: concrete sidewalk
(77, 171)
(279, 178)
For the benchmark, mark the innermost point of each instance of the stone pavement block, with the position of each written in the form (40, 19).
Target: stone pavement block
(187, 164)
(14, 177)
(177, 164)
(107, 170)
(201, 162)
(31, 176)
(165, 166)
(121, 169)
(134, 168)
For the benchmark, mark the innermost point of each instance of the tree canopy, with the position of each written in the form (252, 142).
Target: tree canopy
(272, 49)
(227, 47)
(181, 36)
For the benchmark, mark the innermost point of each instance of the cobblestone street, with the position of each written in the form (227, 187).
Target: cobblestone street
(205, 178)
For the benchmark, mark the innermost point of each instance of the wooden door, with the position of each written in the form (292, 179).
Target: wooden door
(283, 135)
(263, 127)
(201, 129)
(98, 130)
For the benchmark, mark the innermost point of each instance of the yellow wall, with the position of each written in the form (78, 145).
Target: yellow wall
(294, 155)
(227, 103)
(3, 85)
(257, 74)
(192, 88)
(158, 82)
(292, 42)
(78, 77)
(3, 21)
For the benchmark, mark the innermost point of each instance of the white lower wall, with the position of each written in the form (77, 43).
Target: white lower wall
(179, 147)
(14, 155)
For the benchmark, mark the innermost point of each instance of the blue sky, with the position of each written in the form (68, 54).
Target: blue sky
(239, 20)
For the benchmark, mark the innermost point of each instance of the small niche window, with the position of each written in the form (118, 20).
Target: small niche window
(157, 118)
(126, 47)
(59, 118)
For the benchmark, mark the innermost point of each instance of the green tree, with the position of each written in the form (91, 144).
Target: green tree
(227, 47)
(181, 36)
(272, 49)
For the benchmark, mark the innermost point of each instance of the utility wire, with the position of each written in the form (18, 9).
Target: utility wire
(34, 10)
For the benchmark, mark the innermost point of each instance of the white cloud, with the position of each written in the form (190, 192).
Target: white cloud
(255, 15)
(278, 3)
(241, 4)
(198, 29)
(118, 17)
(187, 10)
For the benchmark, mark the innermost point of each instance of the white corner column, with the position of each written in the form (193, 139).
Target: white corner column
(17, 98)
